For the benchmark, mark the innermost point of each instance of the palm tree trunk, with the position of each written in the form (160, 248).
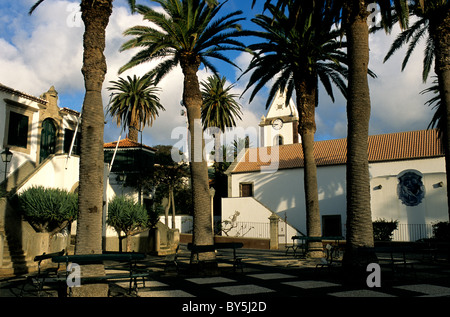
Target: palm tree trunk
(133, 129)
(192, 98)
(440, 32)
(359, 219)
(173, 206)
(166, 211)
(306, 102)
(95, 15)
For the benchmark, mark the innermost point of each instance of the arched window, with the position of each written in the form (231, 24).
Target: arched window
(48, 139)
(278, 140)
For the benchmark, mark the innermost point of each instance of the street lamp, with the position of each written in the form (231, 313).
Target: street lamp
(6, 158)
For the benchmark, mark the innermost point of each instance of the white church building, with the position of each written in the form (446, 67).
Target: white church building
(407, 180)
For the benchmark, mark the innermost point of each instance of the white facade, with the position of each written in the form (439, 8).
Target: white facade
(415, 157)
(24, 139)
(283, 193)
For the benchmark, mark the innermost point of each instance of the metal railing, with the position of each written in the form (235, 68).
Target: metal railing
(412, 232)
(404, 232)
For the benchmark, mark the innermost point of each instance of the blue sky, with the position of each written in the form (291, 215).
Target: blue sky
(45, 49)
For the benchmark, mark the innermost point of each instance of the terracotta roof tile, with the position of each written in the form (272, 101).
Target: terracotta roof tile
(385, 147)
(22, 94)
(126, 144)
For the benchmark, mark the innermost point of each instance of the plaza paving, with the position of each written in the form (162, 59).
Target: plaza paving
(267, 275)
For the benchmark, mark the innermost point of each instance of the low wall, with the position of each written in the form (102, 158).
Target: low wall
(147, 241)
(249, 243)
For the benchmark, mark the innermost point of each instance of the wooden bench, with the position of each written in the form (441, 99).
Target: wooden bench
(237, 261)
(130, 259)
(330, 259)
(305, 240)
(395, 256)
(38, 280)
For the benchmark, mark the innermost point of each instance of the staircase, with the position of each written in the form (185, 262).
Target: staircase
(15, 261)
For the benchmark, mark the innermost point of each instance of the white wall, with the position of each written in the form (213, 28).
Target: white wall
(59, 172)
(19, 156)
(283, 193)
(252, 213)
(385, 201)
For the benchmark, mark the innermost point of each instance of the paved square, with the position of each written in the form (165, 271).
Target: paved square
(243, 289)
(361, 293)
(165, 293)
(271, 276)
(209, 280)
(154, 284)
(427, 289)
(310, 284)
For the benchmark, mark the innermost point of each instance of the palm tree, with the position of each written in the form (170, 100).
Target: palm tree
(438, 119)
(134, 103)
(95, 15)
(434, 25)
(353, 17)
(188, 35)
(219, 110)
(298, 51)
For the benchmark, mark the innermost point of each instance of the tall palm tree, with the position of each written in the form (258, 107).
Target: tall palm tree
(95, 15)
(189, 33)
(353, 16)
(135, 103)
(433, 24)
(298, 51)
(219, 110)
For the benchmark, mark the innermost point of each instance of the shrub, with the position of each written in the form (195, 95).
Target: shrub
(124, 215)
(441, 231)
(48, 209)
(383, 229)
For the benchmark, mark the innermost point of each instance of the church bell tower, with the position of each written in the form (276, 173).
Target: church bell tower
(280, 125)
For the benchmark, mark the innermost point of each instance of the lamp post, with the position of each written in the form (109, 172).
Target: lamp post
(6, 158)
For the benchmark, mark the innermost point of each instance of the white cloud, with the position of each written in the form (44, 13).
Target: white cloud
(43, 50)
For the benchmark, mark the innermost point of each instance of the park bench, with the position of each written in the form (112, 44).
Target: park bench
(171, 260)
(331, 255)
(38, 280)
(301, 243)
(395, 257)
(237, 261)
(128, 258)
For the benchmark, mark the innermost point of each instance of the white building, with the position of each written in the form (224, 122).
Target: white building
(407, 181)
(35, 130)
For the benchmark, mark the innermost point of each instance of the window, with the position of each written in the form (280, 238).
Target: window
(18, 130)
(331, 226)
(278, 140)
(246, 189)
(68, 136)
